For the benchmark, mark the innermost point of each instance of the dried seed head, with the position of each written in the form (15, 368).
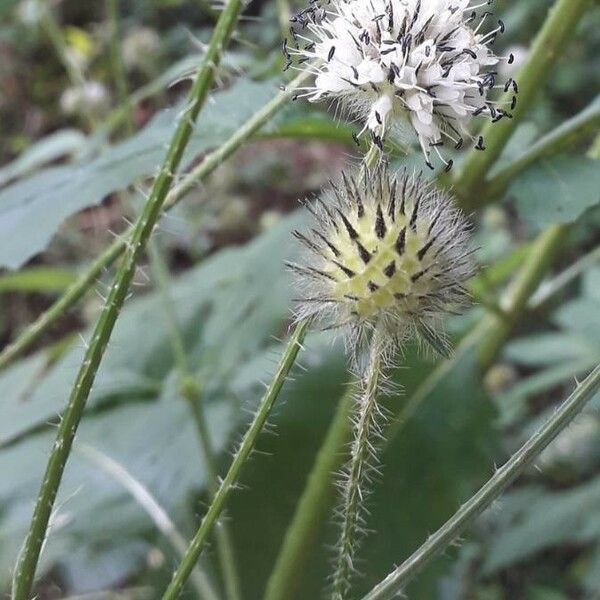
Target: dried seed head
(388, 249)
(389, 61)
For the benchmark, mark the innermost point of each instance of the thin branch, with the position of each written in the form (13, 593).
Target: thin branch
(394, 583)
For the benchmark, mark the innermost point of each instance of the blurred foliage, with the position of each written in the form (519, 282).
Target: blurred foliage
(59, 178)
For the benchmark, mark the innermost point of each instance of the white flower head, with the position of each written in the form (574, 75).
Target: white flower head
(387, 62)
(388, 249)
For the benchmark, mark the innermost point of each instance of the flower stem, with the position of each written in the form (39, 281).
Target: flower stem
(142, 230)
(548, 44)
(229, 482)
(367, 434)
(525, 456)
(87, 279)
(190, 391)
(312, 508)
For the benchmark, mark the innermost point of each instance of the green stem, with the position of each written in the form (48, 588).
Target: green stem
(525, 456)
(547, 46)
(87, 279)
(312, 508)
(356, 476)
(564, 136)
(28, 559)
(230, 481)
(190, 391)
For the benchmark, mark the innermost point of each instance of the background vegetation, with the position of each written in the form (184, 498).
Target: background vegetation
(89, 92)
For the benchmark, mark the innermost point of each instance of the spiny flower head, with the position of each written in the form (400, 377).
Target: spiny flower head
(389, 61)
(384, 249)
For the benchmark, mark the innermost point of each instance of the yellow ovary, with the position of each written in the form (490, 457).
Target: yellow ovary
(368, 286)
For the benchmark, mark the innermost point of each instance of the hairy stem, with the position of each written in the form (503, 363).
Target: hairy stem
(525, 456)
(28, 559)
(190, 391)
(549, 43)
(312, 508)
(363, 461)
(87, 279)
(229, 482)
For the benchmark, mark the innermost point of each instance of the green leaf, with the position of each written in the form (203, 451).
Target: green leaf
(556, 190)
(46, 150)
(549, 348)
(31, 210)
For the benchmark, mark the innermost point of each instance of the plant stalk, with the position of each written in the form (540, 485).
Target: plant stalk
(549, 43)
(87, 279)
(525, 456)
(367, 435)
(233, 474)
(142, 230)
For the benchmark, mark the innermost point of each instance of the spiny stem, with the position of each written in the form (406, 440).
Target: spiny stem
(367, 435)
(548, 44)
(312, 508)
(525, 456)
(228, 484)
(190, 391)
(87, 279)
(28, 559)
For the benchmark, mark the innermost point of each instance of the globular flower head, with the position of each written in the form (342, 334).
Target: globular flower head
(386, 250)
(425, 62)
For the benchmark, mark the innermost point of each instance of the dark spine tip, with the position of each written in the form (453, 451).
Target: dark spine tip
(351, 231)
(380, 228)
(390, 270)
(415, 214)
(349, 272)
(364, 254)
(401, 242)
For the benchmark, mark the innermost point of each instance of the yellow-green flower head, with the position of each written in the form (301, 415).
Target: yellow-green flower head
(384, 249)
